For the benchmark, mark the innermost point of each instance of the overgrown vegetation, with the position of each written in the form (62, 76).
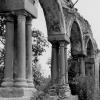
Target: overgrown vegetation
(83, 86)
(38, 47)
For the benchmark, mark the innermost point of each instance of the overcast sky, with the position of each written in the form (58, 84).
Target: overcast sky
(89, 9)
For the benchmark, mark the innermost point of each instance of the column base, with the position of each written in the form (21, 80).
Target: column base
(7, 83)
(15, 93)
(53, 90)
(64, 91)
(30, 84)
(20, 83)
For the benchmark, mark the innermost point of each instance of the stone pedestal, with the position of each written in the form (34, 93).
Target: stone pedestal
(16, 93)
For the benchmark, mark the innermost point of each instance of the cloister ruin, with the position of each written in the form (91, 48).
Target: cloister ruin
(65, 26)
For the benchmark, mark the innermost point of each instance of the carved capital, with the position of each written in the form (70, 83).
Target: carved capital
(9, 18)
(28, 20)
(62, 43)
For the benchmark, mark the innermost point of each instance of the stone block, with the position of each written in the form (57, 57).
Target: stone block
(14, 5)
(13, 93)
(57, 36)
(89, 60)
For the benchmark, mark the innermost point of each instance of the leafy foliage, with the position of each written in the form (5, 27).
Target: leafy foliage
(2, 44)
(2, 25)
(85, 87)
(39, 44)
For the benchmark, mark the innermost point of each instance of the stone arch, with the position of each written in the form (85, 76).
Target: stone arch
(76, 43)
(90, 48)
(90, 58)
(90, 45)
(92, 63)
(76, 39)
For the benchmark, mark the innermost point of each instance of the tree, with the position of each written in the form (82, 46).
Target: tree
(39, 44)
(38, 47)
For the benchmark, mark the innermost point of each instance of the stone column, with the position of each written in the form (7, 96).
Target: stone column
(82, 66)
(8, 71)
(97, 86)
(20, 77)
(64, 90)
(66, 65)
(62, 63)
(54, 64)
(29, 75)
(54, 74)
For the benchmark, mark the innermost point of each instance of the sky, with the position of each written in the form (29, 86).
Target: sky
(89, 9)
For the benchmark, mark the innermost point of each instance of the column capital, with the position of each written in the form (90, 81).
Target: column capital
(21, 12)
(62, 43)
(54, 44)
(10, 18)
(21, 17)
(29, 20)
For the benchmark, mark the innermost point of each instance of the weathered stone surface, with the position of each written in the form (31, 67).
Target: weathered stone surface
(8, 72)
(54, 18)
(64, 25)
(14, 5)
(14, 93)
(47, 97)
